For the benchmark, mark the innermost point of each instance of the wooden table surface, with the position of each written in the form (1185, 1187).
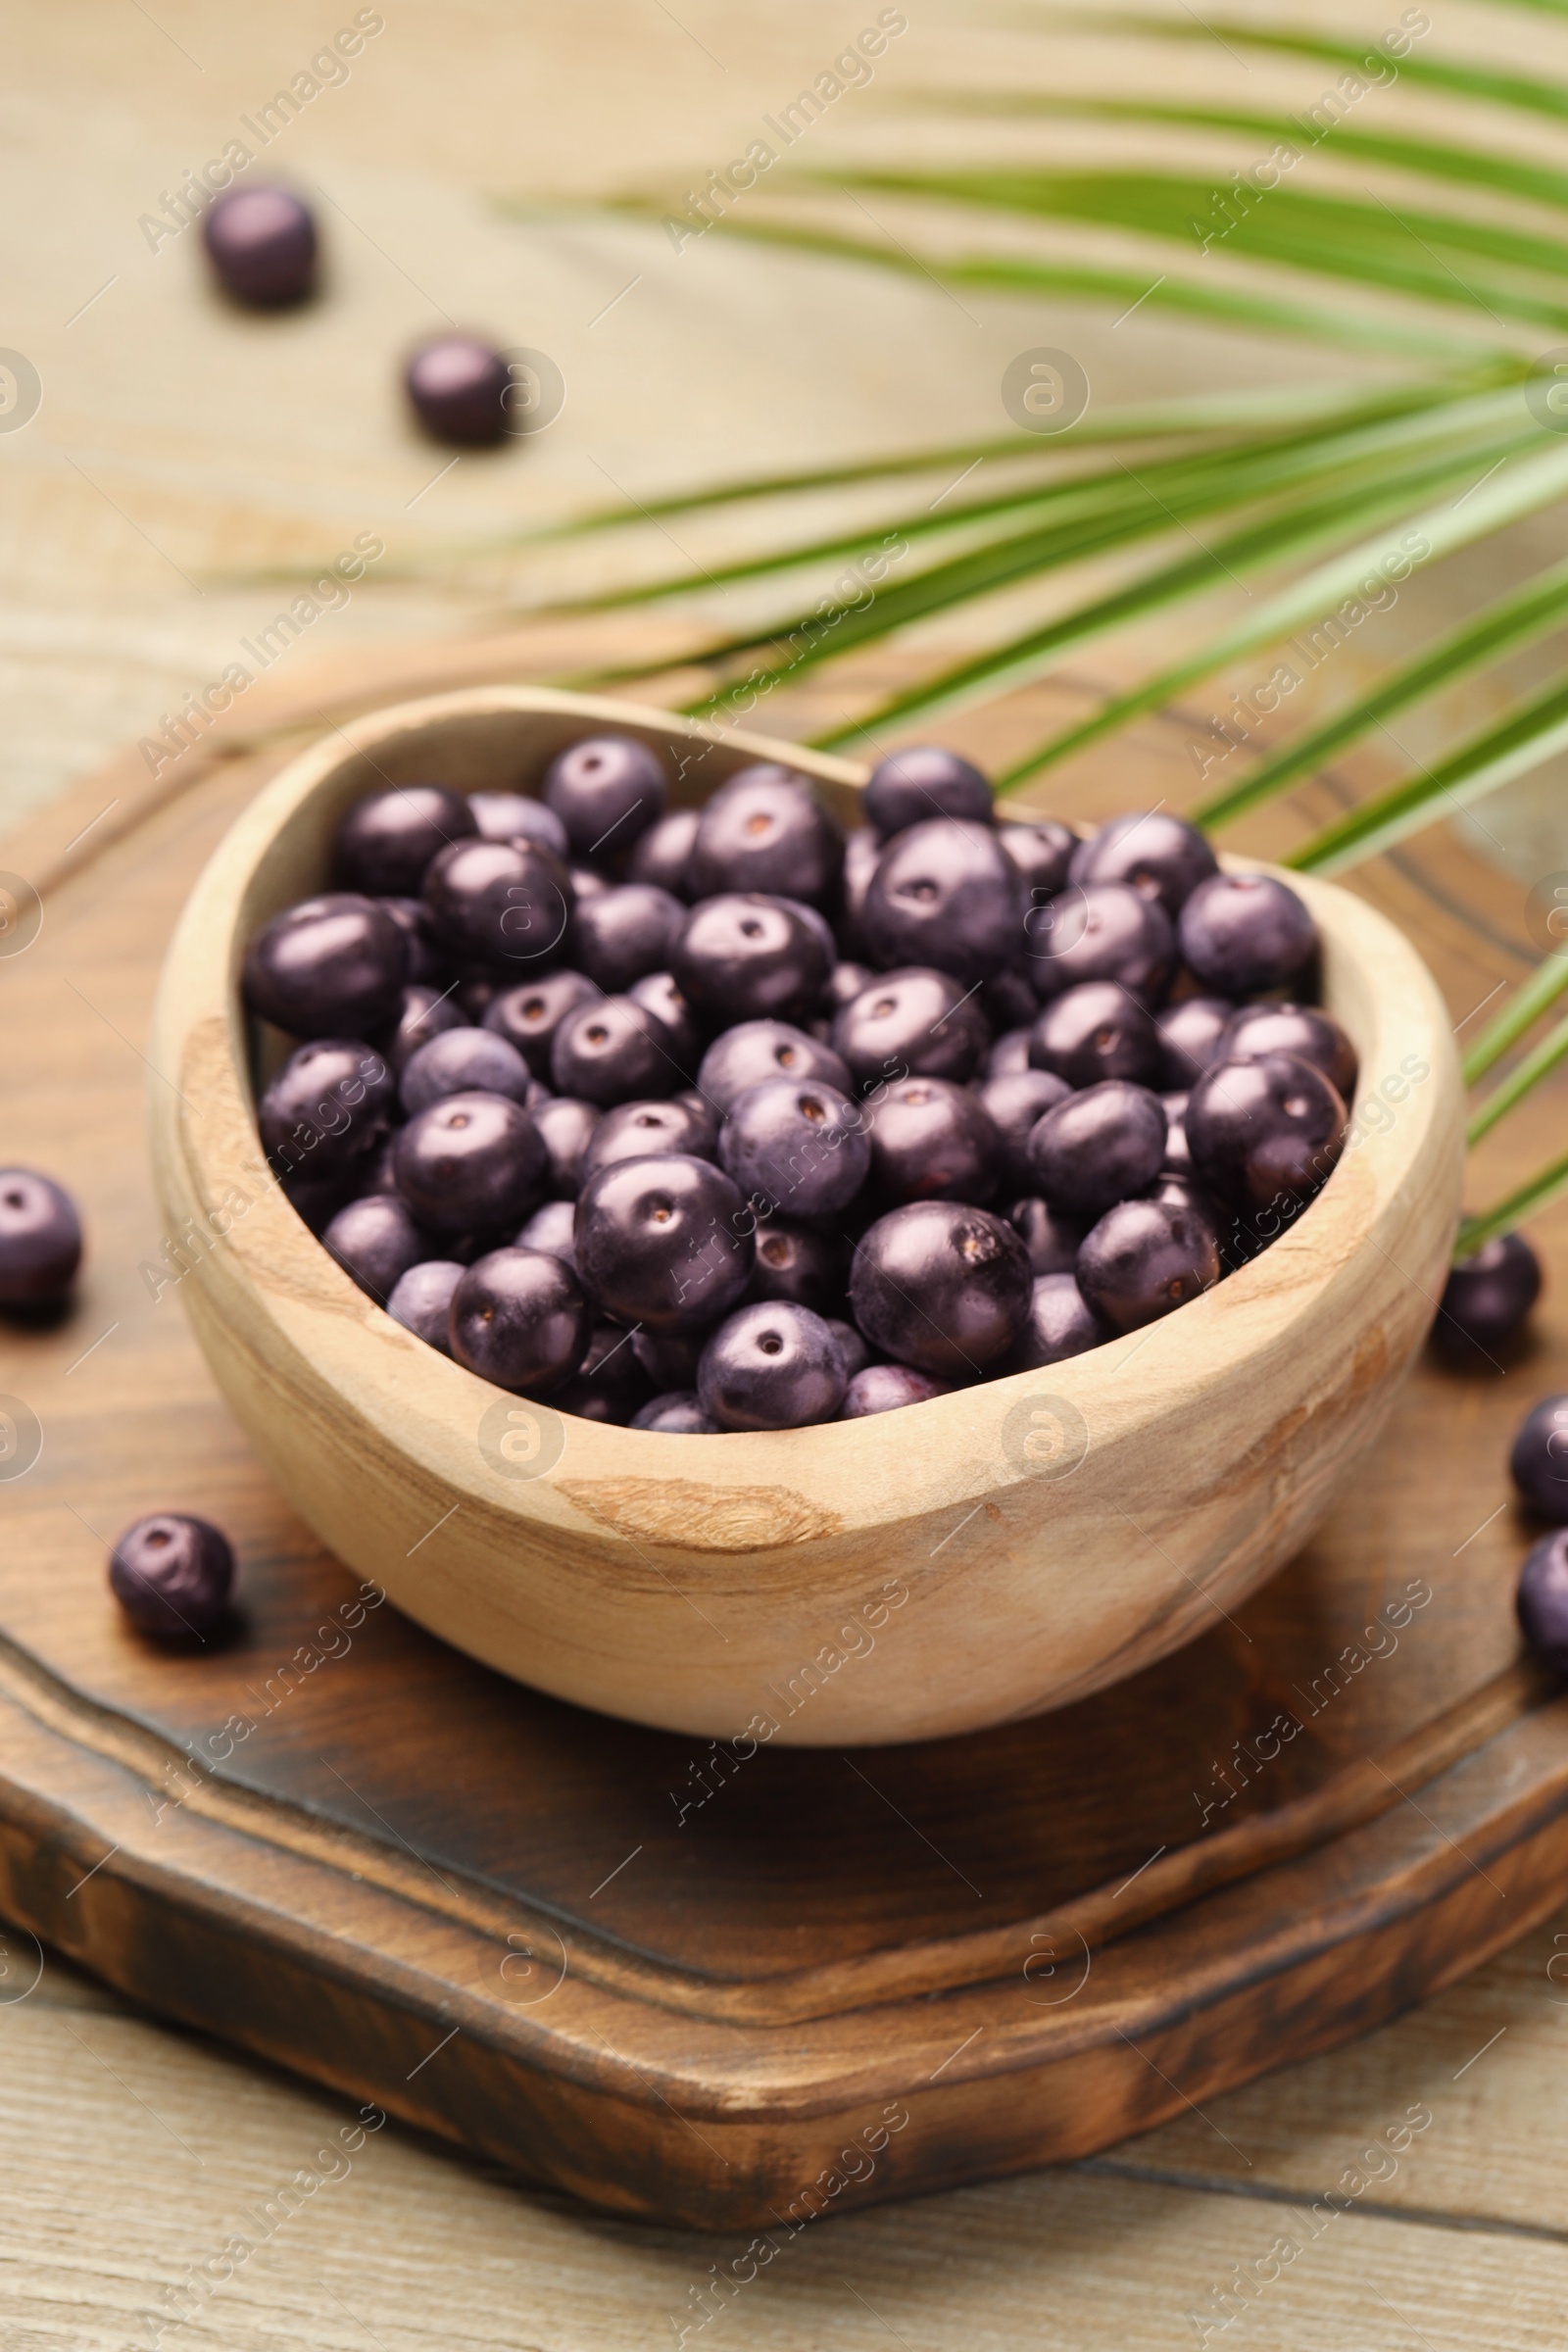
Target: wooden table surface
(179, 450)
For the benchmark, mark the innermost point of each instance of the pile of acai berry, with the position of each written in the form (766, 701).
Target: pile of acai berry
(723, 1119)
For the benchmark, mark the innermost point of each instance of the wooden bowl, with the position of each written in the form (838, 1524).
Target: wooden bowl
(994, 1552)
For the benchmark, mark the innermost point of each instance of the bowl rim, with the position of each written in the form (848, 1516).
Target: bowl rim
(963, 1445)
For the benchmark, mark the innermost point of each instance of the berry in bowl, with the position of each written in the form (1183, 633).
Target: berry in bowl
(675, 1191)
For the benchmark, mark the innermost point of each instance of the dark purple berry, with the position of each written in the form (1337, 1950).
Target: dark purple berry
(1052, 1240)
(554, 1230)
(498, 902)
(1043, 852)
(260, 241)
(1265, 1132)
(528, 1016)
(327, 1112)
(1095, 1032)
(945, 894)
(520, 1318)
(796, 1143)
(771, 1365)
(386, 842)
(1540, 1460)
(624, 934)
(463, 1061)
(747, 958)
(941, 1287)
(607, 790)
(861, 851)
(1542, 1600)
(609, 1385)
(647, 1130)
(173, 1575)
(662, 854)
(1144, 1258)
(515, 817)
(766, 831)
(933, 1141)
(332, 966)
(316, 1200)
(914, 1023)
(1178, 1159)
(670, 1358)
(753, 1052)
(800, 1264)
(1299, 1029)
(885, 1387)
(844, 983)
(1105, 931)
(40, 1240)
(423, 1299)
(1011, 1053)
(1486, 1297)
(474, 996)
(1244, 933)
(614, 1049)
(1015, 1105)
(1189, 1036)
(1158, 854)
(471, 1163)
(1009, 1002)
(375, 1241)
(587, 881)
(658, 992)
(910, 787)
(667, 1243)
(566, 1128)
(426, 1012)
(1061, 1323)
(679, 1413)
(425, 964)
(1097, 1147)
(852, 1345)
(458, 388)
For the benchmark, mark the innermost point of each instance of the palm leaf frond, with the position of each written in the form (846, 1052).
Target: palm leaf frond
(1514, 620)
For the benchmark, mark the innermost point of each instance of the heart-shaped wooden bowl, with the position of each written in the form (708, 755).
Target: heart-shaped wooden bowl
(999, 1551)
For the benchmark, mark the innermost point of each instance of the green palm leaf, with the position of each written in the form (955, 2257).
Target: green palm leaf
(1403, 266)
(1423, 158)
(1513, 621)
(1538, 481)
(1521, 742)
(1536, 1066)
(1523, 1010)
(1456, 77)
(1411, 250)
(1124, 289)
(1283, 531)
(1539, 1193)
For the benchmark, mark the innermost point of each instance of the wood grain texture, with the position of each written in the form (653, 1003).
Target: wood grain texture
(690, 1583)
(367, 1857)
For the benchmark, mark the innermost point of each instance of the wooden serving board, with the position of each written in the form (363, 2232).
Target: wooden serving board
(717, 1986)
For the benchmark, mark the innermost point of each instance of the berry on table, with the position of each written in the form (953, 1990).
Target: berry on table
(1487, 1299)
(261, 240)
(173, 1575)
(40, 1240)
(458, 387)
